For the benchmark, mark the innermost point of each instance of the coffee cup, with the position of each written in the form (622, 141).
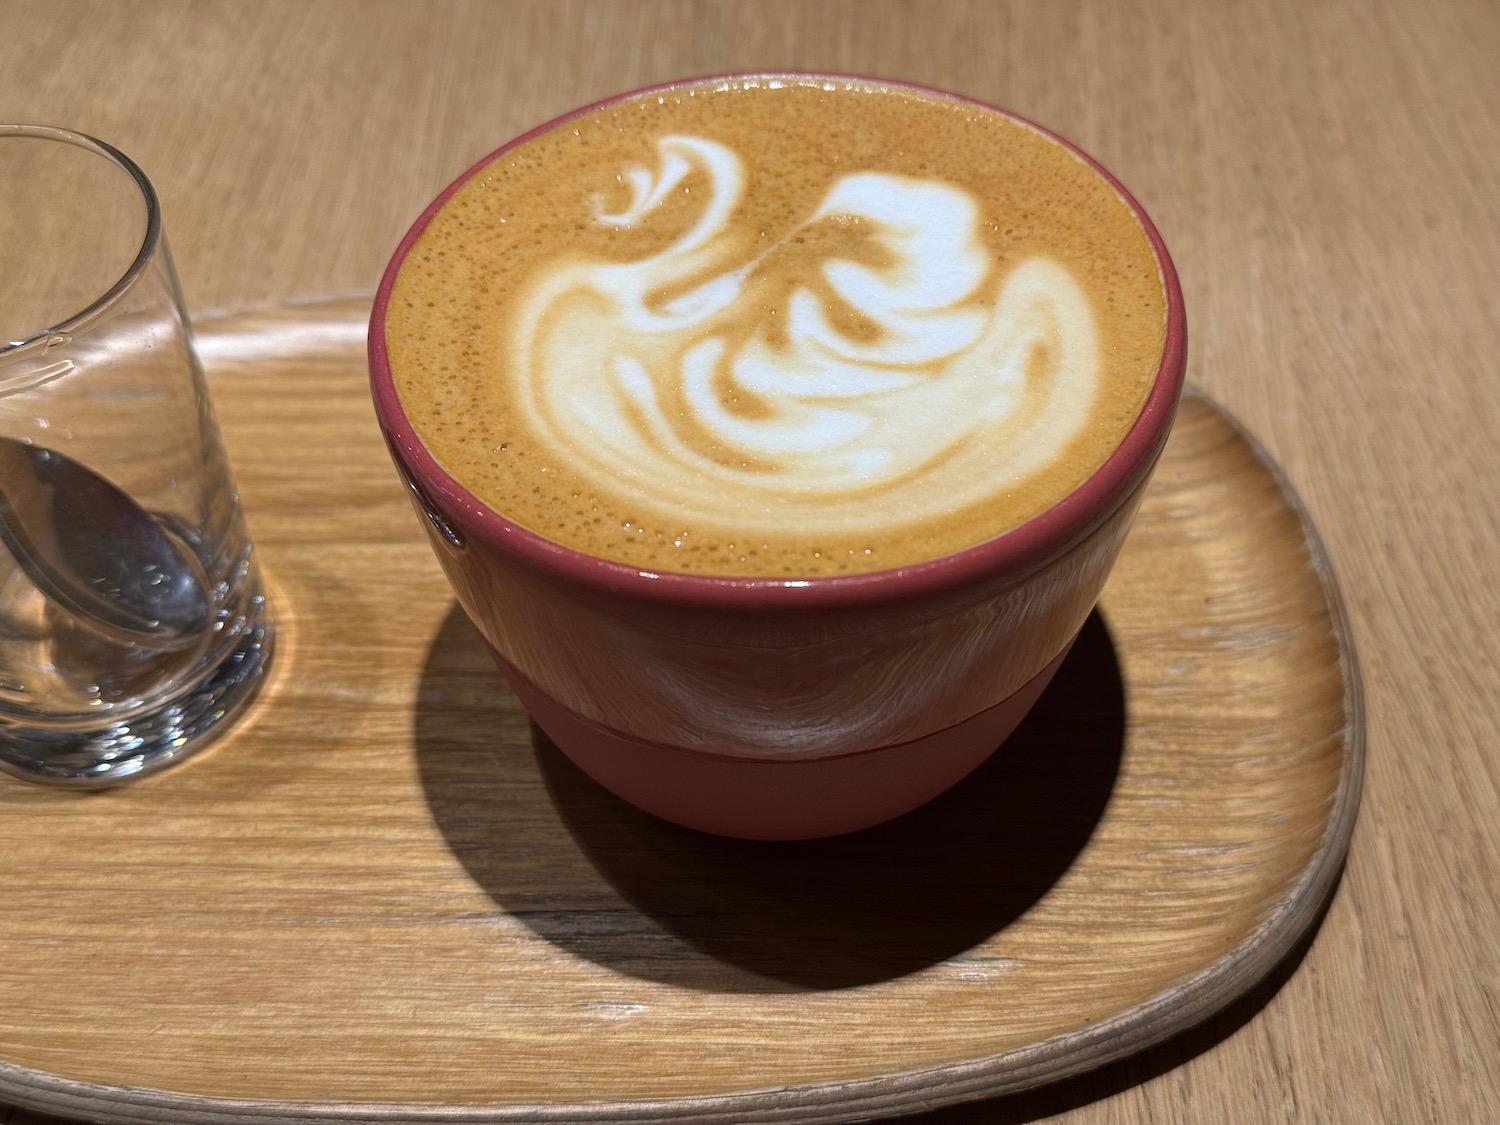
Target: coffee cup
(778, 432)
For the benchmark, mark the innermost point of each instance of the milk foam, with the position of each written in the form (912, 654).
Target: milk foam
(786, 328)
(898, 379)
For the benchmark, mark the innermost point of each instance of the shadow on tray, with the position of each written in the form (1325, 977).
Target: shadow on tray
(607, 882)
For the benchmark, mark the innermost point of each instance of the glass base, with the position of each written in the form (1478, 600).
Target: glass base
(130, 749)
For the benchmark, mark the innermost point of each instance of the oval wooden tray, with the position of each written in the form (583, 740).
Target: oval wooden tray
(385, 897)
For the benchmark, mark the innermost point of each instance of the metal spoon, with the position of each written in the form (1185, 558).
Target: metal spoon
(93, 550)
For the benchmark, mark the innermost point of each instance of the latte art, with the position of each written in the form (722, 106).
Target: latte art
(721, 397)
(776, 327)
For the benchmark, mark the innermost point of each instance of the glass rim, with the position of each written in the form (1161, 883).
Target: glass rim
(74, 322)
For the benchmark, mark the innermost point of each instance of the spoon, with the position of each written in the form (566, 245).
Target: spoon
(94, 551)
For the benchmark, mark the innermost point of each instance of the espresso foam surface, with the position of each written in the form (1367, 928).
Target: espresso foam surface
(777, 328)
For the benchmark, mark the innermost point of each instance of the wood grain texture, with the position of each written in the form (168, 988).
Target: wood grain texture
(386, 895)
(1325, 175)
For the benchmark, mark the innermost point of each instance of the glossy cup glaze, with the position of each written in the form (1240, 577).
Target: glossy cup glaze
(772, 708)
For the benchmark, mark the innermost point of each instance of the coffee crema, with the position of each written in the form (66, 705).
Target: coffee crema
(777, 327)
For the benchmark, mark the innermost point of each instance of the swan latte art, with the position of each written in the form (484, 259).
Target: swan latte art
(780, 327)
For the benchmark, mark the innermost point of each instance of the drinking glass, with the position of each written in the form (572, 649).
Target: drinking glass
(103, 402)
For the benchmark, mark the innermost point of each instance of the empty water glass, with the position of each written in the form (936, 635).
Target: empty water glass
(132, 618)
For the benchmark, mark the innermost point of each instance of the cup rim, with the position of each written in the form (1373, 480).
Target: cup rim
(1013, 553)
(150, 240)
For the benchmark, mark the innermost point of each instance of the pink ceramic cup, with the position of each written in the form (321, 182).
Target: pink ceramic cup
(776, 709)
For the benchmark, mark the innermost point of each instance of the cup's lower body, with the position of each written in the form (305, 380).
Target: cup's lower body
(761, 799)
(107, 754)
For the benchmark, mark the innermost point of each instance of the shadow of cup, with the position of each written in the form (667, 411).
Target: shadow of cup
(607, 882)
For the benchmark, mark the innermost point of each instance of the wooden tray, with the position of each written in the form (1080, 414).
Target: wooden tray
(385, 896)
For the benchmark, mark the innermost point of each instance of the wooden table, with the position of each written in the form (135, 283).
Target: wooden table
(1327, 178)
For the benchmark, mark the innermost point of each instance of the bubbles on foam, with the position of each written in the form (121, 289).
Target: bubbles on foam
(694, 402)
(542, 200)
